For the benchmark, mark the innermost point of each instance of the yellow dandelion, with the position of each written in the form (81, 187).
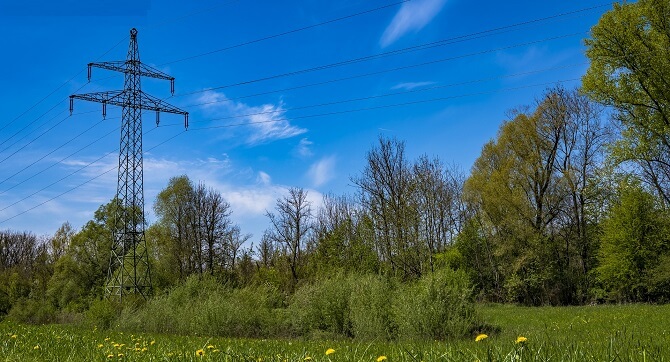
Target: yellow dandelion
(330, 351)
(100, 345)
(481, 337)
(37, 347)
(521, 339)
(144, 349)
(214, 351)
(152, 343)
(116, 345)
(137, 349)
(307, 358)
(14, 336)
(120, 355)
(121, 345)
(200, 352)
(107, 339)
(110, 356)
(210, 347)
(381, 358)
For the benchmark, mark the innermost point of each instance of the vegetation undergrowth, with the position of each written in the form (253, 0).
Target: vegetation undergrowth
(369, 307)
(590, 333)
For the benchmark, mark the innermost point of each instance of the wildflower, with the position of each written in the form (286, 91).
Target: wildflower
(152, 343)
(200, 352)
(120, 355)
(307, 358)
(100, 345)
(37, 347)
(521, 339)
(330, 351)
(210, 347)
(110, 356)
(116, 345)
(481, 337)
(144, 349)
(381, 358)
(214, 351)
(107, 339)
(14, 336)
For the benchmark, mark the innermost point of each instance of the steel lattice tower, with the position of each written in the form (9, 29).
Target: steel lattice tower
(129, 271)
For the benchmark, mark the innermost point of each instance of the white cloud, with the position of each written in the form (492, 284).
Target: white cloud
(411, 85)
(303, 149)
(264, 178)
(267, 122)
(412, 16)
(322, 171)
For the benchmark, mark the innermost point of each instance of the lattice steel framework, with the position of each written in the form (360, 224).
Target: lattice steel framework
(129, 271)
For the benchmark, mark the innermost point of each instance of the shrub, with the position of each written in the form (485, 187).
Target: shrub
(322, 306)
(102, 313)
(438, 306)
(370, 308)
(203, 306)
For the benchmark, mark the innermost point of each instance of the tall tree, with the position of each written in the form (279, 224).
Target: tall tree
(290, 225)
(195, 229)
(387, 191)
(531, 188)
(630, 71)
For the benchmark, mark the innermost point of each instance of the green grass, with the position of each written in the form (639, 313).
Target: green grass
(599, 333)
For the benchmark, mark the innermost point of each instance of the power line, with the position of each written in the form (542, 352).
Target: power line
(393, 105)
(410, 91)
(288, 32)
(389, 105)
(535, 71)
(47, 155)
(375, 56)
(59, 87)
(420, 64)
(307, 70)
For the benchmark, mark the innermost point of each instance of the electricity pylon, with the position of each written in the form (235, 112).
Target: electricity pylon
(129, 271)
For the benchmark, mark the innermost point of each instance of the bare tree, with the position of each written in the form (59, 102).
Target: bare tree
(291, 224)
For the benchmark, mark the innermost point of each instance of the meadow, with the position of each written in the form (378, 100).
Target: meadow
(590, 333)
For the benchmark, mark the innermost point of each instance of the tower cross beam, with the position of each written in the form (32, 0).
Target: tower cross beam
(132, 67)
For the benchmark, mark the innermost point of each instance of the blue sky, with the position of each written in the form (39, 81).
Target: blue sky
(259, 123)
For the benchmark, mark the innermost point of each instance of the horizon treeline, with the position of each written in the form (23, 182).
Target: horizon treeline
(567, 205)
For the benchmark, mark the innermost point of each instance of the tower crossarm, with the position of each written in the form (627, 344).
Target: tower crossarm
(134, 67)
(122, 98)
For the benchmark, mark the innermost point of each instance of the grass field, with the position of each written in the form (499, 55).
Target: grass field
(598, 333)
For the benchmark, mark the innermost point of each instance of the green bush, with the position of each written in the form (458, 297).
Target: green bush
(102, 313)
(203, 306)
(33, 311)
(438, 306)
(370, 308)
(322, 306)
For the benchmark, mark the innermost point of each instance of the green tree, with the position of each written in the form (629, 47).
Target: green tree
(630, 71)
(80, 273)
(531, 192)
(635, 234)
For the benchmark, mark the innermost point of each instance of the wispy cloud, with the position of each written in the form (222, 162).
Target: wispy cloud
(322, 171)
(411, 85)
(412, 16)
(266, 122)
(304, 149)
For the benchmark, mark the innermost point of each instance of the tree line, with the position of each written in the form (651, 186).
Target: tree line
(568, 204)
